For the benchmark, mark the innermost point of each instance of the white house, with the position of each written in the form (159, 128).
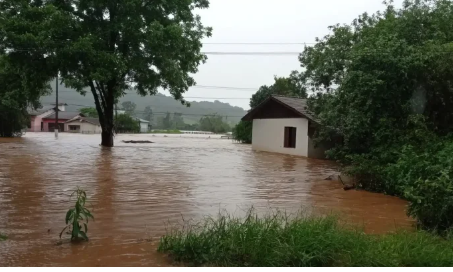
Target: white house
(143, 125)
(81, 124)
(284, 125)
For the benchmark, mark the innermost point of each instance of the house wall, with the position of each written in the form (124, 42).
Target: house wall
(35, 121)
(84, 127)
(143, 127)
(46, 123)
(268, 135)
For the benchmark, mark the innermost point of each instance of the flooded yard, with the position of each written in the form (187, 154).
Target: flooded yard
(135, 189)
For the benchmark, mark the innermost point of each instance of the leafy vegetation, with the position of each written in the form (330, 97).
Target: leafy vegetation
(383, 84)
(89, 112)
(76, 217)
(3, 237)
(290, 86)
(126, 123)
(214, 123)
(109, 46)
(243, 132)
(20, 90)
(279, 240)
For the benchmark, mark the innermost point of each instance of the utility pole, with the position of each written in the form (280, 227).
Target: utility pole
(56, 107)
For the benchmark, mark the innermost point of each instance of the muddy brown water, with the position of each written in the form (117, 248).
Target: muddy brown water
(135, 189)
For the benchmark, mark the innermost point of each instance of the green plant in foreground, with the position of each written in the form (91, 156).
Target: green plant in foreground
(280, 240)
(3, 237)
(77, 216)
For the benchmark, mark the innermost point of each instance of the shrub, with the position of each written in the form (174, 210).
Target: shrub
(279, 240)
(77, 216)
(426, 177)
(243, 132)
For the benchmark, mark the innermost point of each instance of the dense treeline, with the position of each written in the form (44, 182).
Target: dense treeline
(384, 83)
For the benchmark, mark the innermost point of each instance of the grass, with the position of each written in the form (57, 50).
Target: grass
(280, 240)
(169, 131)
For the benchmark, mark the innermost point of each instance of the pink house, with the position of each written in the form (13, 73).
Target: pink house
(44, 119)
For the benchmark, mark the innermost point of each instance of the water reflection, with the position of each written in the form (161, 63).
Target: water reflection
(134, 190)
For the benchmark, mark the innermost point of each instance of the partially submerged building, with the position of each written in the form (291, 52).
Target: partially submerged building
(284, 125)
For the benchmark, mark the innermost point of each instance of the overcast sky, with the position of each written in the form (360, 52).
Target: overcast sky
(265, 21)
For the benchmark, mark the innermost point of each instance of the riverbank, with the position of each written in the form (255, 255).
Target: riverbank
(279, 240)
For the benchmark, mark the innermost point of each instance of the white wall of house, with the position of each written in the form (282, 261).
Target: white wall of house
(268, 135)
(84, 127)
(143, 127)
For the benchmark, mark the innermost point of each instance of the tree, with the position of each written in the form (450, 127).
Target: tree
(109, 47)
(126, 123)
(89, 112)
(243, 132)
(20, 90)
(285, 86)
(214, 123)
(129, 107)
(148, 114)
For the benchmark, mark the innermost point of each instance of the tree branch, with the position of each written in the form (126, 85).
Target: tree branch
(97, 103)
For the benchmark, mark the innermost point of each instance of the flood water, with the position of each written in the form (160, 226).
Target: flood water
(135, 189)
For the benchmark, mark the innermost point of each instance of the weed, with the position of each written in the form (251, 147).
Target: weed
(77, 216)
(281, 240)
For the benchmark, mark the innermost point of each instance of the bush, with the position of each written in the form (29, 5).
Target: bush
(278, 240)
(126, 123)
(243, 132)
(425, 175)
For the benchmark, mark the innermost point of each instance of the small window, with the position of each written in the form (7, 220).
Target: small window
(74, 128)
(290, 137)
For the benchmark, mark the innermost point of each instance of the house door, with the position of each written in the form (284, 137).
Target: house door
(52, 127)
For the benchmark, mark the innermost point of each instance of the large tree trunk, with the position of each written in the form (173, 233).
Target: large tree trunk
(104, 101)
(107, 138)
(108, 126)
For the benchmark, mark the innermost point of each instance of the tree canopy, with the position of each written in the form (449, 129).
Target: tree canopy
(108, 46)
(384, 84)
(20, 90)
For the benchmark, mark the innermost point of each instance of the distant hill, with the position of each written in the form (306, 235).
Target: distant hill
(160, 104)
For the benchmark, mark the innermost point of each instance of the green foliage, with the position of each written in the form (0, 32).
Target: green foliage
(89, 112)
(214, 123)
(109, 46)
(425, 178)
(384, 82)
(3, 237)
(76, 217)
(243, 132)
(126, 123)
(20, 90)
(280, 240)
